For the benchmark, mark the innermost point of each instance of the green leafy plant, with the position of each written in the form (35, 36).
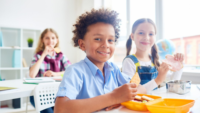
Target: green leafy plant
(30, 40)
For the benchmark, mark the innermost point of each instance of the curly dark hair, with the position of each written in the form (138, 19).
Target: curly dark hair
(94, 16)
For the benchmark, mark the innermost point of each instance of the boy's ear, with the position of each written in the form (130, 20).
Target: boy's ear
(81, 44)
(132, 36)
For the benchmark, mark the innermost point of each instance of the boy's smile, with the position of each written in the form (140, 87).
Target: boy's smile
(98, 42)
(103, 53)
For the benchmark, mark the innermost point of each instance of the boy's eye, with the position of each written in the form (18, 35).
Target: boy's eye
(98, 39)
(111, 40)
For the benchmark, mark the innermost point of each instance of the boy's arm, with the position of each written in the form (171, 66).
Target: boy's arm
(121, 94)
(65, 105)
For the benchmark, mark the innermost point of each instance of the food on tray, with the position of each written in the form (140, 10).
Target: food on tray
(147, 98)
(175, 65)
(138, 97)
(142, 99)
(136, 79)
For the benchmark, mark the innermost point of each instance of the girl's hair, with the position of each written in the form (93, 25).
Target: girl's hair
(41, 46)
(154, 50)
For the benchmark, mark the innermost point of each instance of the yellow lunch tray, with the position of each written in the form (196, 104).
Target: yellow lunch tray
(159, 105)
(170, 105)
(138, 106)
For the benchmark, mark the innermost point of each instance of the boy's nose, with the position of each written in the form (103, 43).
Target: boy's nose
(105, 44)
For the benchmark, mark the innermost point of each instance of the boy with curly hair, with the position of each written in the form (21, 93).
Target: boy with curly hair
(94, 83)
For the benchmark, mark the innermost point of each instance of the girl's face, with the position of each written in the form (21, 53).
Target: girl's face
(50, 39)
(144, 36)
(98, 42)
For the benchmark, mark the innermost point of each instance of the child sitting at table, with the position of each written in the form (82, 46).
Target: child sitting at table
(47, 62)
(94, 83)
(145, 61)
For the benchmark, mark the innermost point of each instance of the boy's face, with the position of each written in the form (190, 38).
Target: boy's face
(98, 42)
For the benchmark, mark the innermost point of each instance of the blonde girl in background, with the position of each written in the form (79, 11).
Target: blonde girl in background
(47, 61)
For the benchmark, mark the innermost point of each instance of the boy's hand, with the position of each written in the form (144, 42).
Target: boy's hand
(179, 57)
(49, 73)
(112, 107)
(162, 72)
(124, 93)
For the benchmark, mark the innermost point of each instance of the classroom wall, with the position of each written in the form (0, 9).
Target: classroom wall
(40, 14)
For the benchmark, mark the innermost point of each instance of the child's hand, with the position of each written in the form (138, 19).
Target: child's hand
(124, 93)
(179, 57)
(112, 107)
(49, 73)
(48, 50)
(162, 72)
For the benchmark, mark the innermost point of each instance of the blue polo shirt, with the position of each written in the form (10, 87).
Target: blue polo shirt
(84, 80)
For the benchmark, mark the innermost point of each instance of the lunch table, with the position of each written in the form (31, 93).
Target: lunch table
(26, 90)
(194, 94)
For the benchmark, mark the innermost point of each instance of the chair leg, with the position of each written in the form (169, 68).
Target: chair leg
(27, 104)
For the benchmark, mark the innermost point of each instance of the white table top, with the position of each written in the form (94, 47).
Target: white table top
(25, 90)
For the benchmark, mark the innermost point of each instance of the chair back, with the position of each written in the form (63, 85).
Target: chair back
(44, 95)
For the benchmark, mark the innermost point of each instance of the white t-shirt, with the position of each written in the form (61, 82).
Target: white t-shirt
(129, 68)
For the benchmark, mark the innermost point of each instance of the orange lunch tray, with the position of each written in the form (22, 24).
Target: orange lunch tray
(139, 106)
(169, 105)
(159, 105)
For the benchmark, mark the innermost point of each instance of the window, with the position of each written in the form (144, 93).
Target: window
(181, 25)
(198, 49)
(129, 11)
(178, 49)
(177, 20)
(141, 9)
(188, 50)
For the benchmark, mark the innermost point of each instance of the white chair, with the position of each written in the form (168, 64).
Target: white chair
(44, 95)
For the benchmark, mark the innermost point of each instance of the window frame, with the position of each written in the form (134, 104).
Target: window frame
(159, 35)
(159, 25)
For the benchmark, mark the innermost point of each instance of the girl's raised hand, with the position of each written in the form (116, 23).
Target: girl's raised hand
(124, 93)
(162, 72)
(48, 50)
(179, 57)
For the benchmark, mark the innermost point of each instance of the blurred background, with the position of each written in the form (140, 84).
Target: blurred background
(176, 20)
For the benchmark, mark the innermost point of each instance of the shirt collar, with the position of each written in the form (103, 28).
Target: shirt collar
(94, 68)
